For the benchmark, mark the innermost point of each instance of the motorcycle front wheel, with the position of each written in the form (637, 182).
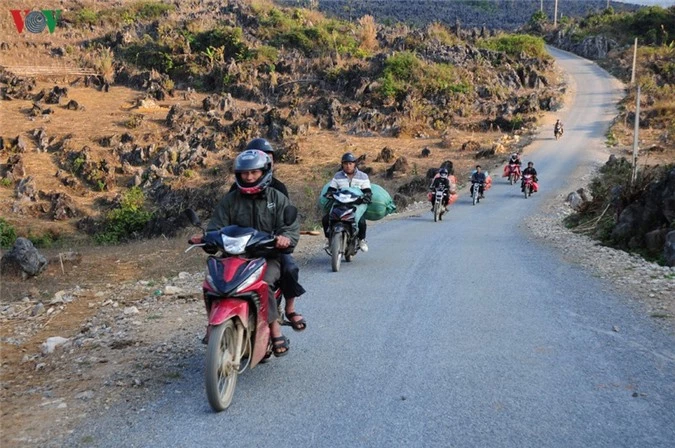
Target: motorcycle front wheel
(511, 178)
(221, 371)
(437, 211)
(527, 191)
(336, 251)
(475, 196)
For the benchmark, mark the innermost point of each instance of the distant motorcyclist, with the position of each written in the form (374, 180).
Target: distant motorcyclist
(558, 128)
(442, 180)
(350, 176)
(529, 171)
(515, 159)
(478, 177)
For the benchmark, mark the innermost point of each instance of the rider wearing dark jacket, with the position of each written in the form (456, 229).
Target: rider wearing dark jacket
(441, 181)
(290, 272)
(531, 171)
(478, 177)
(255, 205)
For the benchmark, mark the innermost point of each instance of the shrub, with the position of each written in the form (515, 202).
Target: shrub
(150, 55)
(368, 32)
(441, 32)
(515, 44)
(130, 217)
(230, 39)
(134, 121)
(402, 66)
(148, 10)
(7, 233)
(86, 16)
(45, 240)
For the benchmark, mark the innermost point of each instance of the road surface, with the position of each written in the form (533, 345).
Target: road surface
(464, 333)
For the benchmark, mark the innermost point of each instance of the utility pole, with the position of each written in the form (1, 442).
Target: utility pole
(555, 15)
(633, 177)
(541, 5)
(632, 76)
(607, 4)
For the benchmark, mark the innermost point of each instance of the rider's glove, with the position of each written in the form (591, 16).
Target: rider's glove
(210, 249)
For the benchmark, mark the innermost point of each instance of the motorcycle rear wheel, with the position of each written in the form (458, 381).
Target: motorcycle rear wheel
(221, 373)
(336, 250)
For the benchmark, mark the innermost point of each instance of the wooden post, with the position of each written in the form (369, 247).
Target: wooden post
(555, 14)
(632, 76)
(635, 137)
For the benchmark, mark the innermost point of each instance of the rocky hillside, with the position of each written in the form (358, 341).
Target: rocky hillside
(159, 97)
(493, 14)
(632, 216)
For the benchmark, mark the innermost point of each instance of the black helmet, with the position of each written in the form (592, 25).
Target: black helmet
(348, 157)
(260, 144)
(253, 160)
(443, 172)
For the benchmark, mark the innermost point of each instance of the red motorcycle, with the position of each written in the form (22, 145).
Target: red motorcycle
(236, 299)
(514, 173)
(529, 185)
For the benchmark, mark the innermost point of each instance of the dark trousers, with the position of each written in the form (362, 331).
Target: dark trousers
(362, 226)
(290, 277)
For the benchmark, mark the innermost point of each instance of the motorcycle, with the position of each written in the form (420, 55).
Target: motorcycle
(237, 301)
(557, 132)
(439, 208)
(343, 218)
(475, 188)
(528, 185)
(514, 173)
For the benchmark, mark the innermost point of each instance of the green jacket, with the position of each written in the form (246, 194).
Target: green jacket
(262, 212)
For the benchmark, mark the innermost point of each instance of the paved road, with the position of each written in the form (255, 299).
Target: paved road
(465, 333)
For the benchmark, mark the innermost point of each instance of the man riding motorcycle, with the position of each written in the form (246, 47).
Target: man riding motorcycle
(290, 272)
(515, 159)
(478, 177)
(441, 180)
(255, 205)
(350, 176)
(558, 128)
(529, 171)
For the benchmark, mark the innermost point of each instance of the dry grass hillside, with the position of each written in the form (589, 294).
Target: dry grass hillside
(147, 103)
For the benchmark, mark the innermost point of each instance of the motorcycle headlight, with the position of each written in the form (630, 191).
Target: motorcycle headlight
(250, 280)
(235, 246)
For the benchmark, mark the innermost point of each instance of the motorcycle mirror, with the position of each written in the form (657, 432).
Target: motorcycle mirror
(290, 215)
(194, 219)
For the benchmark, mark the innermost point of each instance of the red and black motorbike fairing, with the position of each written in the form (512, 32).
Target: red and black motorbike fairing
(234, 284)
(528, 180)
(241, 268)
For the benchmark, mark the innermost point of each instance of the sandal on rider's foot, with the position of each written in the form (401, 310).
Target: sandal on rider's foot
(298, 325)
(282, 342)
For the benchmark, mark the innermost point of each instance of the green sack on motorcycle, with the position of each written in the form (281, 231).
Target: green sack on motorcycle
(381, 205)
